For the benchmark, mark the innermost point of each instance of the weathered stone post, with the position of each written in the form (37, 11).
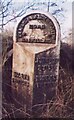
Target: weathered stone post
(36, 51)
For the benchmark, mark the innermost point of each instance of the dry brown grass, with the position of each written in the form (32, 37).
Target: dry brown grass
(62, 107)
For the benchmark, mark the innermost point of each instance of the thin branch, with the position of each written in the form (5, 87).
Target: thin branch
(18, 15)
(5, 7)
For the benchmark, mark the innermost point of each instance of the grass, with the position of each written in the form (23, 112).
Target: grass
(62, 107)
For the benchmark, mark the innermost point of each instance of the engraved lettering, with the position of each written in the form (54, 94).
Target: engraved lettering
(22, 76)
(36, 26)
